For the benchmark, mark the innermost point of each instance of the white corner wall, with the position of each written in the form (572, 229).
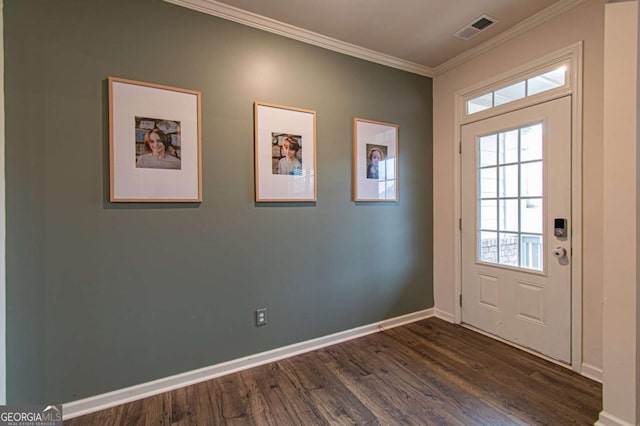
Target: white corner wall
(583, 23)
(621, 351)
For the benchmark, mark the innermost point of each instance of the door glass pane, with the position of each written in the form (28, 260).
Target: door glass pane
(508, 147)
(509, 249)
(531, 185)
(508, 214)
(488, 247)
(531, 215)
(488, 183)
(488, 150)
(488, 215)
(531, 256)
(531, 143)
(510, 211)
(508, 183)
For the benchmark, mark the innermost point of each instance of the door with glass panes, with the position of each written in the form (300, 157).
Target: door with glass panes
(516, 235)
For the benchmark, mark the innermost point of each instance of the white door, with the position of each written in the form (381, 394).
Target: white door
(516, 188)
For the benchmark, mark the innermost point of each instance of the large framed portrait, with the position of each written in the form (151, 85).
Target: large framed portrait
(285, 153)
(375, 160)
(154, 143)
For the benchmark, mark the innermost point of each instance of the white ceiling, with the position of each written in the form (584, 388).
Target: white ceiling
(415, 32)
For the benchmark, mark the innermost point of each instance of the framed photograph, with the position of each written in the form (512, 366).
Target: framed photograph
(154, 143)
(375, 160)
(285, 153)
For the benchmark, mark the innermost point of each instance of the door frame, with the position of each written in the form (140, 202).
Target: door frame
(573, 56)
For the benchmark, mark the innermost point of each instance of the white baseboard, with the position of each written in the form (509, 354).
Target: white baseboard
(591, 372)
(144, 390)
(607, 419)
(446, 316)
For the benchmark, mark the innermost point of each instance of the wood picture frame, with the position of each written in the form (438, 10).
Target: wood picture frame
(375, 161)
(155, 150)
(285, 153)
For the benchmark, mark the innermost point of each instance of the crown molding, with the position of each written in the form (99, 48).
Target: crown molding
(539, 18)
(254, 20)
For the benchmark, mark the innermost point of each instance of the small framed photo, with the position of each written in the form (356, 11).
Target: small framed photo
(285, 153)
(375, 160)
(154, 143)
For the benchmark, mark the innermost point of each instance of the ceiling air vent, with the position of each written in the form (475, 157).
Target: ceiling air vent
(478, 25)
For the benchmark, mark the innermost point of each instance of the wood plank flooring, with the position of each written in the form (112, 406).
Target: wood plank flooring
(425, 373)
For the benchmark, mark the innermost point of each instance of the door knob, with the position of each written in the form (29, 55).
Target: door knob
(559, 252)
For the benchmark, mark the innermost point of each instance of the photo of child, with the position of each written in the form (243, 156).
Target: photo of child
(286, 154)
(157, 143)
(375, 156)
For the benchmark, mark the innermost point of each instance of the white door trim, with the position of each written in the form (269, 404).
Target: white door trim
(3, 300)
(572, 53)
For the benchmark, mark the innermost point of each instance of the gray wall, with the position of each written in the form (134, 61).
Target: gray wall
(102, 296)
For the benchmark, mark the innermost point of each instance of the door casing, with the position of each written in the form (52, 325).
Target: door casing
(573, 54)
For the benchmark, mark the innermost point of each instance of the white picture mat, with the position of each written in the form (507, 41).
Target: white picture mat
(283, 187)
(376, 134)
(129, 182)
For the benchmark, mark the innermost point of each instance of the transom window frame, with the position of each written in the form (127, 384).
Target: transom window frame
(525, 81)
(567, 60)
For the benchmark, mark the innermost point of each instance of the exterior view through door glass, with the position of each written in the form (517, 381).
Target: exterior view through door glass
(510, 198)
(516, 272)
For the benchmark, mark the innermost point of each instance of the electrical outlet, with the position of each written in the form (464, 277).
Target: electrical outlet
(261, 317)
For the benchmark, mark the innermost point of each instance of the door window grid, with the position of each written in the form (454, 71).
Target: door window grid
(510, 198)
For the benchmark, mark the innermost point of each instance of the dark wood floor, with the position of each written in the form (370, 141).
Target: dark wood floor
(426, 373)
